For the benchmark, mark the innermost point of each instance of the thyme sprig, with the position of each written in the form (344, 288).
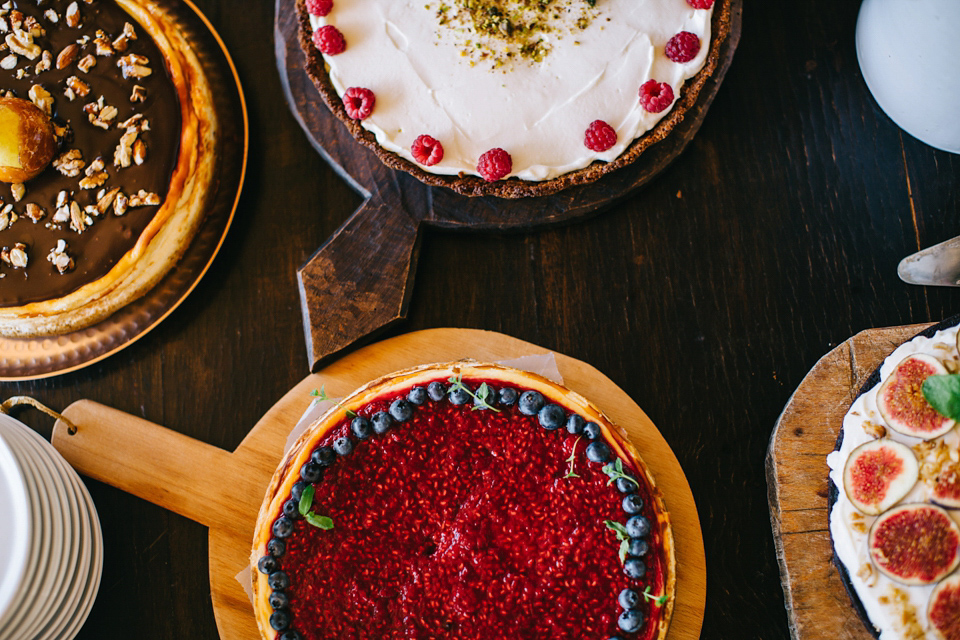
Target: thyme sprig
(659, 600)
(321, 394)
(614, 471)
(480, 397)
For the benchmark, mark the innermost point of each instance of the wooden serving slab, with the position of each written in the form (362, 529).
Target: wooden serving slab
(797, 486)
(361, 279)
(223, 490)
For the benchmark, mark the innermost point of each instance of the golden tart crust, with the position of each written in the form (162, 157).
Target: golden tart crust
(287, 473)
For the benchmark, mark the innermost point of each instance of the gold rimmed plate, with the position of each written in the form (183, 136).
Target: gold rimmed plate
(32, 358)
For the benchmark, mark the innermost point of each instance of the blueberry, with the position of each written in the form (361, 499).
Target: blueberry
(276, 547)
(291, 509)
(638, 527)
(324, 456)
(267, 565)
(630, 621)
(551, 416)
(297, 490)
(282, 527)
(310, 472)
(289, 634)
(401, 410)
(637, 547)
(361, 428)
(279, 600)
(591, 430)
(279, 620)
(278, 580)
(626, 485)
(343, 445)
(598, 451)
(575, 424)
(632, 504)
(459, 396)
(417, 395)
(487, 399)
(508, 396)
(530, 403)
(436, 390)
(628, 599)
(381, 421)
(634, 568)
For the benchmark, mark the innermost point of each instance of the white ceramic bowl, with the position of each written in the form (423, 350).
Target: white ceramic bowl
(909, 53)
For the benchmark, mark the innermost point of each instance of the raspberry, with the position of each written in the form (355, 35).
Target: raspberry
(599, 136)
(358, 102)
(494, 164)
(319, 7)
(655, 96)
(329, 40)
(427, 150)
(683, 47)
(700, 4)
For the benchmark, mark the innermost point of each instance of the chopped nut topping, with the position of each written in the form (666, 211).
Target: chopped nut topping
(120, 204)
(9, 62)
(42, 98)
(121, 42)
(78, 221)
(86, 63)
(95, 175)
(874, 429)
(77, 87)
(72, 16)
(60, 258)
(144, 198)
(35, 212)
(105, 199)
(134, 66)
(51, 16)
(102, 43)
(18, 191)
(16, 257)
(22, 43)
(123, 154)
(136, 121)
(139, 151)
(31, 26)
(100, 114)
(46, 61)
(7, 217)
(139, 94)
(68, 55)
(69, 163)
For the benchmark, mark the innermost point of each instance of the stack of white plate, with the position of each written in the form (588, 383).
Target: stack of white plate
(52, 548)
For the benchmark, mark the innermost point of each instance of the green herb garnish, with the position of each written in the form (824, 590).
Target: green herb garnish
(622, 536)
(320, 394)
(351, 414)
(615, 471)
(943, 394)
(483, 392)
(570, 472)
(658, 599)
(306, 501)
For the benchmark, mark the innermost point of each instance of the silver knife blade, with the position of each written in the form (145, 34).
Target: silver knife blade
(937, 265)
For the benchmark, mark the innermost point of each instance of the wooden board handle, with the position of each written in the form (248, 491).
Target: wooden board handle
(192, 478)
(360, 280)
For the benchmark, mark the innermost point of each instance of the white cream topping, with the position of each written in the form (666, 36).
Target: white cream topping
(536, 111)
(849, 537)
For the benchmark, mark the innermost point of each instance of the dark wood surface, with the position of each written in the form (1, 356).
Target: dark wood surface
(706, 296)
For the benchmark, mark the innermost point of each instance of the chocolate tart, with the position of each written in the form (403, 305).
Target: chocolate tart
(512, 187)
(127, 189)
(889, 608)
(462, 500)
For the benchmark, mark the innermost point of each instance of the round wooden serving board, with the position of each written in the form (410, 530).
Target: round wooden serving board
(360, 280)
(797, 487)
(224, 490)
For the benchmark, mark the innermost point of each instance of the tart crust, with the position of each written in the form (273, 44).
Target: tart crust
(166, 237)
(287, 474)
(469, 185)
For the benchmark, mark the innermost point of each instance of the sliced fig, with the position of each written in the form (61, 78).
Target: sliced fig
(915, 543)
(901, 402)
(946, 489)
(944, 608)
(879, 474)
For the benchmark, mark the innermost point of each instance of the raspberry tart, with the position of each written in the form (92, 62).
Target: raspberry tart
(463, 500)
(895, 491)
(126, 190)
(525, 78)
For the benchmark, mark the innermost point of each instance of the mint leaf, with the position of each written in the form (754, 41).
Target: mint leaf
(320, 522)
(943, 394)
(658, 599)
(306, 500)
(617, 528)
(624, 546)
(351, 414)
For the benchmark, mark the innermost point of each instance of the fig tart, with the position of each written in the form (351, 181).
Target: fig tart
(132, 113)
(463, 500)
(510, 98)
(895, 491)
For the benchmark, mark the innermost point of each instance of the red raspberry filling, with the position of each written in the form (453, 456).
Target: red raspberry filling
(599, 136)
(683, 47)
(700, 4)
(358, 102)
(494, 164)
(655, 96)
(319, 7)
(329, 40)
(427, 150)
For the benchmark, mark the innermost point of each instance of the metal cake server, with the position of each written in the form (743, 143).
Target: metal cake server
(936, 265)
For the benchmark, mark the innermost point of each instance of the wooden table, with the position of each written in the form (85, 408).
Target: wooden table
(707, 297)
